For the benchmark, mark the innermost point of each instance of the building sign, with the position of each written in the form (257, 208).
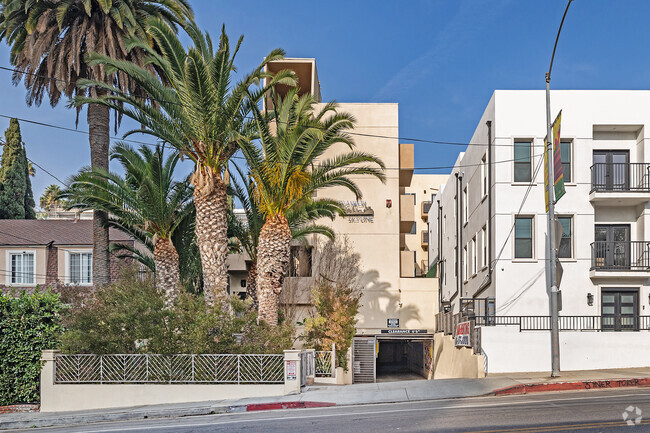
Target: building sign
(392, 323)
(358, 212)
(290, 369)
(462, 334)
(403, 331)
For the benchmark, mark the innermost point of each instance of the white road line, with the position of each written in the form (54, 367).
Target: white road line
(362, 413)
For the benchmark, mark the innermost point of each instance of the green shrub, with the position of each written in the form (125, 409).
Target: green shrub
(131, 311)
(29, 324)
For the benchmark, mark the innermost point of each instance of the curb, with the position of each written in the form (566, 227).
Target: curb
(278, 406)
(77, 419)
(572, 386)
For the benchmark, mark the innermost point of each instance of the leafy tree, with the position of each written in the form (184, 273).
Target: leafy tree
(336, 295)
(50, 41)
(16, 197)
(197, 109)
(287, 168)
(146, 203)
(30, 323)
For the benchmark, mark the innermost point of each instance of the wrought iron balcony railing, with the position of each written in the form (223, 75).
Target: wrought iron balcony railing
(620, 255)
(620, 177)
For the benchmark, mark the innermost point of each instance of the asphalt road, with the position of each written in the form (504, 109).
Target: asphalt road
(585, 411)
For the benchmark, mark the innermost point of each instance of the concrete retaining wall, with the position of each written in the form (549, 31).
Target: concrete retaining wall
(68, 397)
(509, 350)
(451, 362)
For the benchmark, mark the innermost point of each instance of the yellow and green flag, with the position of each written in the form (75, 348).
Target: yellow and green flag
(558, 181)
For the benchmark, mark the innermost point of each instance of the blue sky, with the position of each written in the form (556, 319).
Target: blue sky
(440, 60)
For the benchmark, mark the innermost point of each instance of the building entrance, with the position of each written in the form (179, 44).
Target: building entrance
(400, 359)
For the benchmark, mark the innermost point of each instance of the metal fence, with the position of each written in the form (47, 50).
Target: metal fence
(620, 255)
(567, 323)
(620, 176)
(324, 363)
(144, 368)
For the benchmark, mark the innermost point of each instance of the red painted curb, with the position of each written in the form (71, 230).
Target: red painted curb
(572, 386)
(286, 405)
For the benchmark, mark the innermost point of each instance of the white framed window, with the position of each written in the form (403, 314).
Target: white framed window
(465, 263)
(474, 256)
(484, 246)
(524, 229)
(523, 161)
(21, 266)
(465, 205)
(484, 177)
(80, 267)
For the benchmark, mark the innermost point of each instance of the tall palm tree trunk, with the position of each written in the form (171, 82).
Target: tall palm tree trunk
(168, 275)
(211, 203)
(251, 283)
(99, 138)
(272, 264)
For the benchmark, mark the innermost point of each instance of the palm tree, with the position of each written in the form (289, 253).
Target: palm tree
(197, 109)
(287, 168)
(49, 42)
(301, 222)
(146, 203)
(50, 197)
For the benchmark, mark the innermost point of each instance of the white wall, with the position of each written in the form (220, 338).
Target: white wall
(509, 350)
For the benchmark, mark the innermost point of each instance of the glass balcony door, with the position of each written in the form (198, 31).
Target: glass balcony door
(612, 246)
(611, 170)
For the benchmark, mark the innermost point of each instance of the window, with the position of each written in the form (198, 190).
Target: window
(523, 237)
(484, 242)
(564, 250)
(465, 205)
(465, 264)
(22, 268)
(242, 283)
(620, 309)
(474, 256)
(523, 162)
(565, 153)
(81, 268)
(300, 262)
(484, 178)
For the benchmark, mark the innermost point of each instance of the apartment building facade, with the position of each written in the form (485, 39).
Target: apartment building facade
(490, 229)
(385, 229)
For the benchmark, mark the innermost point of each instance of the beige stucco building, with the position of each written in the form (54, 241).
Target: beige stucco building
(385, 228)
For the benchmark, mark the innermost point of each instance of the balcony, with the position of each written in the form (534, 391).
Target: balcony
(405, 164)
(425, 239)
(406, 212)
(426, 205)
(620, 259)
(620, 183)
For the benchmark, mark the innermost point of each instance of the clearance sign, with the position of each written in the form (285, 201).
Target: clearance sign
(462, 334)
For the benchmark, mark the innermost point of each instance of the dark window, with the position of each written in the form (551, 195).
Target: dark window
(523, 161)
(620, 309)
(524, 238)
(300, 262)
(242, 283)
(565, 152)
(564, 249)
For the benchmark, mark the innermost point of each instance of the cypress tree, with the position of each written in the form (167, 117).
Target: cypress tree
(16, 197)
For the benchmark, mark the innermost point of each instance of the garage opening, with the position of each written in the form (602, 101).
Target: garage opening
(400, 359)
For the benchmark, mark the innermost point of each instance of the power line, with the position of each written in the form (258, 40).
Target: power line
(49, 125)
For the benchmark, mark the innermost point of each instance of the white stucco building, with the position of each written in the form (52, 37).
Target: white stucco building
(488, 231)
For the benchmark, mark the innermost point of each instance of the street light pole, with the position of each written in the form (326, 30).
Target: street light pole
(552, 254)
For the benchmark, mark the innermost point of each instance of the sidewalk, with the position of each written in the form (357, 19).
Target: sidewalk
(317, 395)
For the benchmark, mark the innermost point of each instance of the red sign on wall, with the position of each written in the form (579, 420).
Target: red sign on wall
(462, 334)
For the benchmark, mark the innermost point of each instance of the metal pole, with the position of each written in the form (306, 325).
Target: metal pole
(555, 332)
(552, 253)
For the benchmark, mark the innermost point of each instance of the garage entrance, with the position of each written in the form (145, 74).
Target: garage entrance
(400, 359)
